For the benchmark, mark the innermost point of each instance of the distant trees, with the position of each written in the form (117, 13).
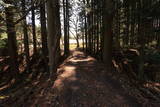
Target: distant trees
(90, 18)
(103, 26)
(114, 25)
(75, 27)
(97, 20)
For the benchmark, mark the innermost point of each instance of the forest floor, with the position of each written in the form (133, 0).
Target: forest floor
(81, 82)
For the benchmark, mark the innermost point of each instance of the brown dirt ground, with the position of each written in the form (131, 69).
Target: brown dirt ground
(81, 82)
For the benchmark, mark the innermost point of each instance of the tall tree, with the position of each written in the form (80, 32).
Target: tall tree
(12, 45)
(25, 31)
(53, 24)
(108, 33)
(66, 47)
(141, 41)
(43, 29)
(34, 28)
(66, 26)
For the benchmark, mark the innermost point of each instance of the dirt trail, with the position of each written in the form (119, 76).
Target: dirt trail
(82, 83)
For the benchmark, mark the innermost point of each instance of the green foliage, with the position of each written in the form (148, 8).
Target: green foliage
(3, 40)
(3, 43)
(19, 42)
(3, 36)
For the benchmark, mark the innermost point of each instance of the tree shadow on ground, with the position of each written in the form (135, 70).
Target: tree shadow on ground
(82, 81)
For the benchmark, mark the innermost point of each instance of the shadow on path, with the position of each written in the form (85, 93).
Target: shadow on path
(82, 83)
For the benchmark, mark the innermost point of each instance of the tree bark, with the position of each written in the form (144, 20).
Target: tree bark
(25, 31)
(53, 33)
(34, 29)
(108, 34)
(11, 33)
(67, 24)
(43, 30)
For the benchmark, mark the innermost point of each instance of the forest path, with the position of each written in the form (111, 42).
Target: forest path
(82, 83)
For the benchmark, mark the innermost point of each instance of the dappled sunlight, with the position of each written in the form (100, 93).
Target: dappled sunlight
(8, 84)
(78, 82)
(81, 60)
(4, 87)
(35, 83)
(69, 68)
(69, 74)
(79, 53)
(152, 84)
(3, 97)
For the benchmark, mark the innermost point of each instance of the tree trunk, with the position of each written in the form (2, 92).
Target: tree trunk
(141, 42)
(53, 33)
(66, 46)
(43, 30)
(11, 33)
(77, 42)
(77, 35)
(86, 35)
(108, 34)
(25, 31)
(67, 24)
(83, 30)
(34, 29)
